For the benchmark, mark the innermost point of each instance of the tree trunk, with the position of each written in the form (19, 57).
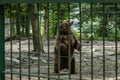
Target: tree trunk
(45, 23)
(26, 26)
(17, 26)
(37, 40)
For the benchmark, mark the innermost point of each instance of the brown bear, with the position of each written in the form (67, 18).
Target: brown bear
(63, 44)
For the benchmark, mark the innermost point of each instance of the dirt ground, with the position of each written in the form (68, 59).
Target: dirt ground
(25, 61)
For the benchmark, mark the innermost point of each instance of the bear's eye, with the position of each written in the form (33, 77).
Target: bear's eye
(67, 25)
(60, 26)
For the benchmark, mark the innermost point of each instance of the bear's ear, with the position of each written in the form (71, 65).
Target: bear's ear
(71, 23)
(60, 21)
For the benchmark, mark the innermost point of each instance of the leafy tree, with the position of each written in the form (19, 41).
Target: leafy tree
(18, 12)
(63, 13)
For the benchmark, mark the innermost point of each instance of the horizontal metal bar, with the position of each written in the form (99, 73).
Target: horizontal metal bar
(58, 1)
(32, 75)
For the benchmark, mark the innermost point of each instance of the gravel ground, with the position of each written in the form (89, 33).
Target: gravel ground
(35, 64)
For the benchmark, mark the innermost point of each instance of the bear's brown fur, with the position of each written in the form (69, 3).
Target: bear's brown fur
(63, 44)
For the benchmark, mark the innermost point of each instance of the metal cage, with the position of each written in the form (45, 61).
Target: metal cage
(97, 29)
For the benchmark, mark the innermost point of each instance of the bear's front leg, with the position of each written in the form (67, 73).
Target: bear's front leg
(55, 64)
(73, 66)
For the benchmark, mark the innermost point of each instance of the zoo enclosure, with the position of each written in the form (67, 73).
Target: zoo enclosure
(49, 76)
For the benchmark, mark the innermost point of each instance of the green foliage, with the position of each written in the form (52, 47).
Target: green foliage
(76, 33)
(15, 10)
(54, 16)
(101, 25)
(113, 34)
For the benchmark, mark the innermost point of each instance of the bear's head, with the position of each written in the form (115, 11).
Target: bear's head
(64, 26)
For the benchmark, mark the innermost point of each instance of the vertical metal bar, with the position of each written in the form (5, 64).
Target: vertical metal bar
(116, 39)
(59, 16)
(20, 65)
(53, 18)
(80, 24)
(11, 32)
(48, 44)
(38, 42)
(107, 20)
(69, 43)
(103, 43)
(2, 48)
(28, 12)
(91, 13)
(40, 24)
